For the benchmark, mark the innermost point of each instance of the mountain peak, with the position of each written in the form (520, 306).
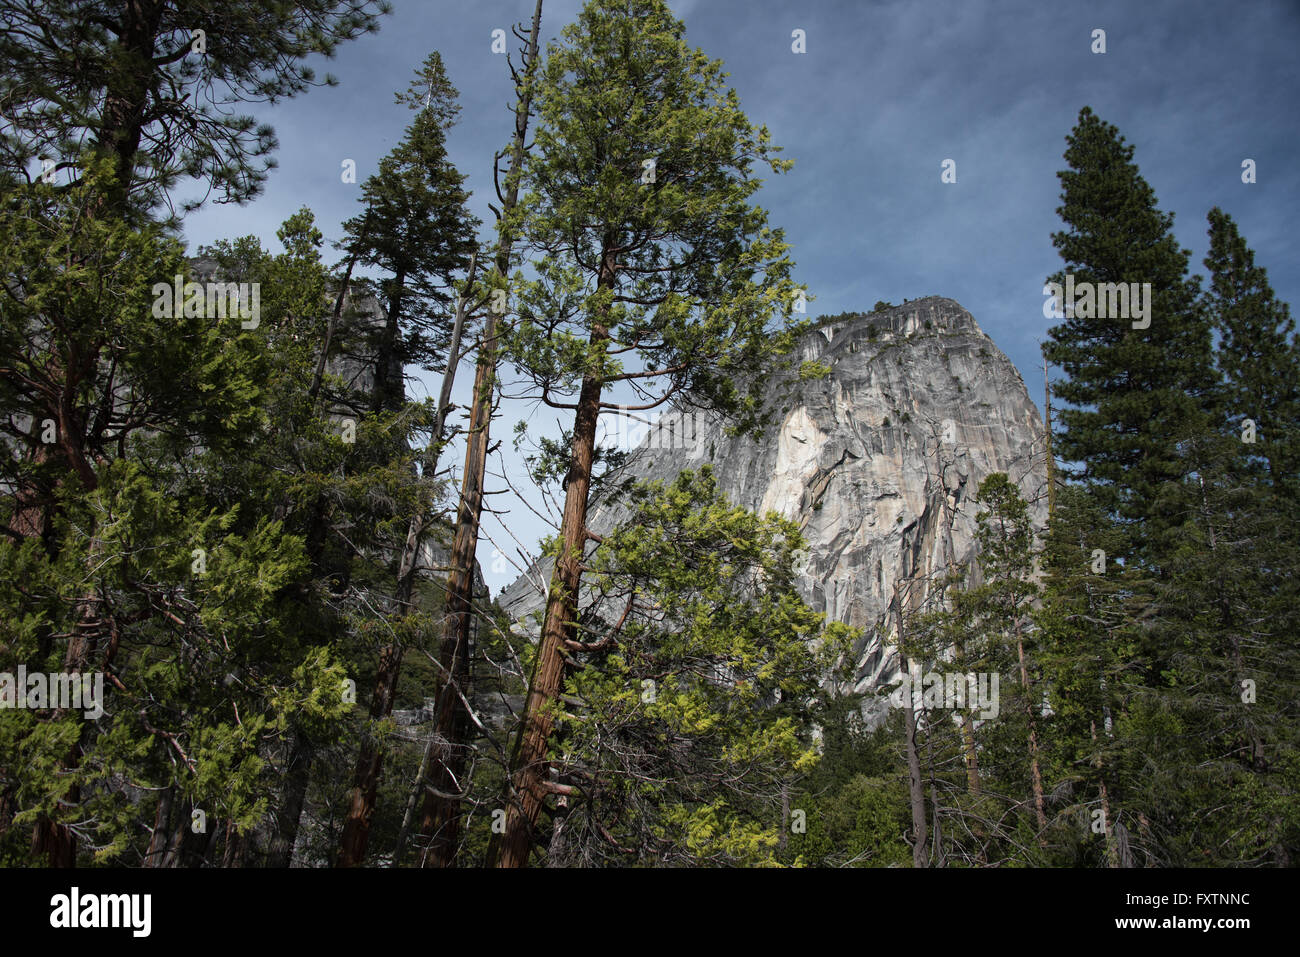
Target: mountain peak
(878, 461)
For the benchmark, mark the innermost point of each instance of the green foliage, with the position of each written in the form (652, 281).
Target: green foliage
(1258, 355)
(1129, 396)
(415, 226)
(1171, 673)
(695, 709)
(648, 254)
(130, 81)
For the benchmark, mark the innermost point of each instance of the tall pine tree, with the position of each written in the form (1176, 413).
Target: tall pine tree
(655, 274)
(1130, 396)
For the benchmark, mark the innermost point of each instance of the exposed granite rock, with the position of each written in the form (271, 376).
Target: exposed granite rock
(874, 461)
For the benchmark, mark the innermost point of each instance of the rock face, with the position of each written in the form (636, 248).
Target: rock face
(879, 462)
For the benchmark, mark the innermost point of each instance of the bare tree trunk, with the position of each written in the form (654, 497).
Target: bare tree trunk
(936, 832)
(333, 325)
(440, 820)
(916, 790)
(408, 815)
(1035, 771)
(293, 796)
(445, 754)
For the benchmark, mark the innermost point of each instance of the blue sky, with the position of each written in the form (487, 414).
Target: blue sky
(884, 94)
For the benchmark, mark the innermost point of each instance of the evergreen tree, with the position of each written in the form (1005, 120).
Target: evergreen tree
(1258, 356)
(696, 683)
(1223, 736)
(415, 227)
(1130, 395)
(646, 250)
(447, 749)
(1091, 641)
(150, 85)
(984, 747)
(202, 618)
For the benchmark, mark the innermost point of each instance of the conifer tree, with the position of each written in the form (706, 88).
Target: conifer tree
(208, 634)
(446, 751)
(1224, 732)
(415, 227)
(696, 685)
(1258, 356)
(1130, 395)
(1091, 643)
(151, 85)
(654, 272)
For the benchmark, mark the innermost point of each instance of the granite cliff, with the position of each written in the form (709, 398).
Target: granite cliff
(879, 461)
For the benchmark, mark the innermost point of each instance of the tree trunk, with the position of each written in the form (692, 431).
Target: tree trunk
(49, 837)
(1035, 771)
(292, 798)
(558, 849)
(529, 763)
(936, 833)
(153, 856)
(445, 754)
(440, 820)
(916, 790)
(386, 393)
(443, 761)
(127, 95)
(370, 762)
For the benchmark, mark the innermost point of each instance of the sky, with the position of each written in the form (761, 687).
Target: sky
(885, 92)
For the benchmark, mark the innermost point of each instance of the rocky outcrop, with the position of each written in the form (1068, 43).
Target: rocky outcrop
(879, 461)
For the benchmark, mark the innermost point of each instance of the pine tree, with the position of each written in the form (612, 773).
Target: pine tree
(695, 687)
(646, 249)
(1130, 395)
(1091, 653)
(151, 84)
(1223, 736)
(415, 226)
(445, 753)
(1258, 355)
